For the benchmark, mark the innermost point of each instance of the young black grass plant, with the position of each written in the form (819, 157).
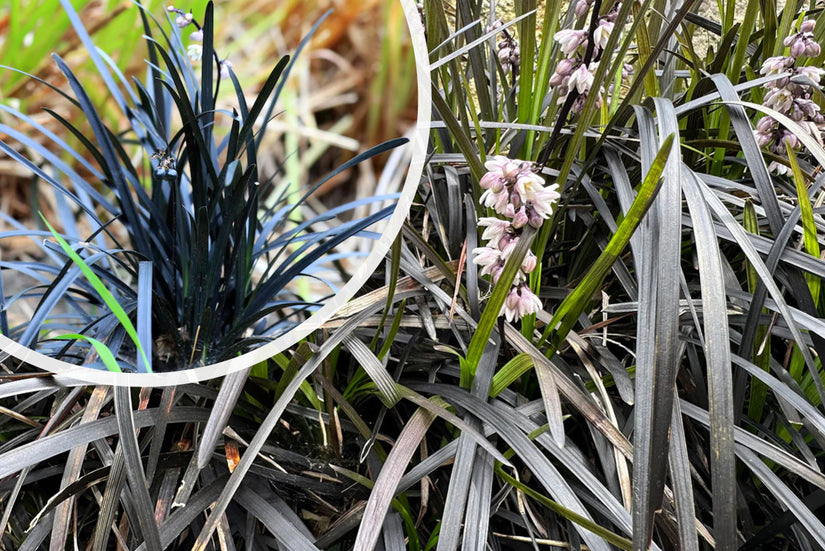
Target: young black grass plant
(189, 256)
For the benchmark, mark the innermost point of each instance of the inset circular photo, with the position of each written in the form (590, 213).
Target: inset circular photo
(187, 190)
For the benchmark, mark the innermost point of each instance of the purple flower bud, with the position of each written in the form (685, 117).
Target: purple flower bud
(196, 36)
(791, 140)
(766, 125)
(582, 6)
(520, 218)
(515, 200)
(504, 55)
(627, 71)
(535, 218)
(812, 49)
(808, 107)
(170, 8)
(797, 48)
(225, 66)
(807, 26)
(566, 66)
(511, 304)
(507, 244)
(529, 263)
(762, 139)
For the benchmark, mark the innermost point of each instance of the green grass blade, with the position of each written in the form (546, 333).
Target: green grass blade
(102, 350)
(569, 310)
(808, 224)
(492, 311)
(104, 293)
(607, 535)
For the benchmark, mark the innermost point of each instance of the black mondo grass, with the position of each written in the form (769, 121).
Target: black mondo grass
(171, 250)
(637, 366)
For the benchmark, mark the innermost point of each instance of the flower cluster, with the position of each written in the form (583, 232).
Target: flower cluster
(195, 51)
(791, 96)
(519, 196)
(507, 50)
(573, 73)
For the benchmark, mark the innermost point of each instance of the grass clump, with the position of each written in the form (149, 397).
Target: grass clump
(219, 246)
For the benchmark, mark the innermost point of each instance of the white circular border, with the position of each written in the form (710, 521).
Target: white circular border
(418, 143)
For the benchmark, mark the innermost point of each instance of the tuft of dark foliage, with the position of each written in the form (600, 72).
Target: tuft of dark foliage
(193, 256)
